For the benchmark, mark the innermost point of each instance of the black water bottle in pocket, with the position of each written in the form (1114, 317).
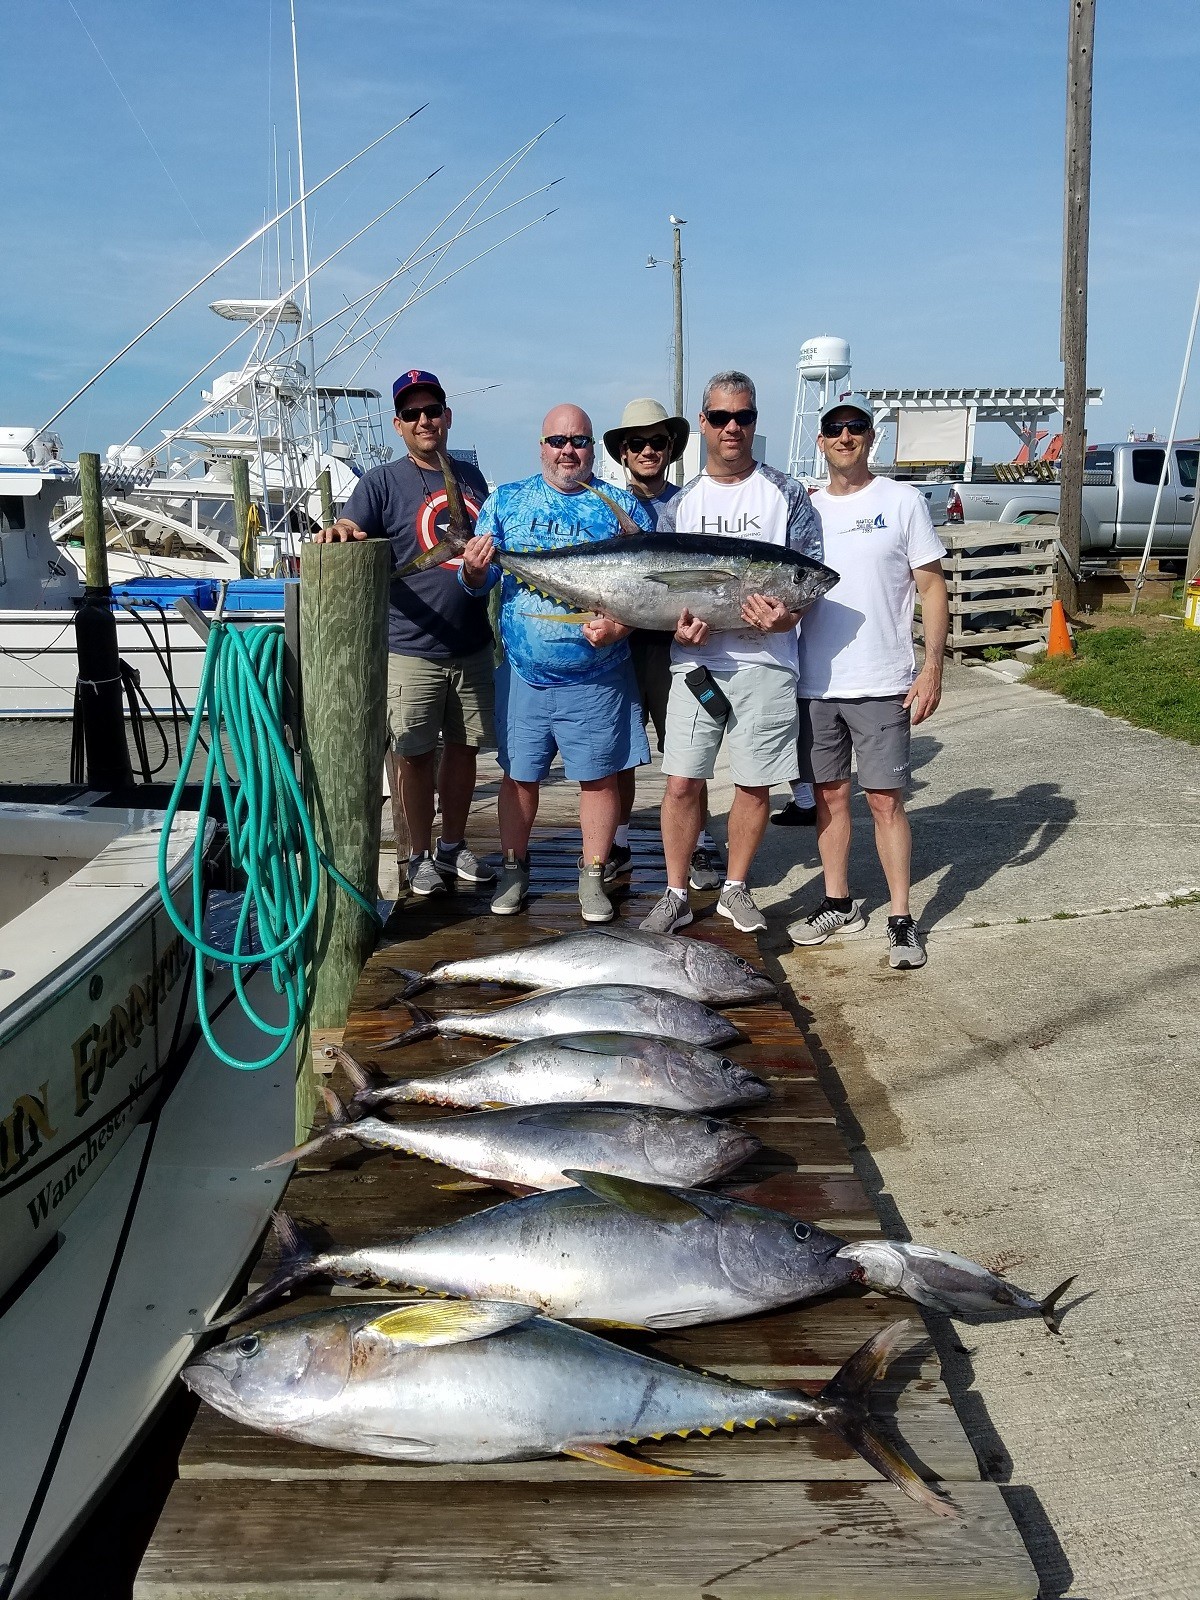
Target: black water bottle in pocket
(708, 691)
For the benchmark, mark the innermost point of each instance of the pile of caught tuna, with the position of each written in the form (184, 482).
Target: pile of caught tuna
(599, 1117)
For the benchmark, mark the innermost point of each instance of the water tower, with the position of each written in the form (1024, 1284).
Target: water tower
(822, 371)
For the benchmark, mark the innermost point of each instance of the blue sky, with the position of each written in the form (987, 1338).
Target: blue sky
(888, 172)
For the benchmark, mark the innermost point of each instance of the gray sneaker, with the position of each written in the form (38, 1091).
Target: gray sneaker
(423, 877)
(514, 885)
(736, 903)
(707, 871)
(827, 921)
(463, 863)
(670, 913)
(593, 902)
(905, 949)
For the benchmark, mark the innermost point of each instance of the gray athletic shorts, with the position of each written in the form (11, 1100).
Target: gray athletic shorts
(876, 730)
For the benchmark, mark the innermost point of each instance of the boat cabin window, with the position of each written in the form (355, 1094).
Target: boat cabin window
(1148, 465)
(1185, 461)
(12, 512)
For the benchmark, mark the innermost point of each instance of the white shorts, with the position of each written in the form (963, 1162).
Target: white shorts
(761, 728)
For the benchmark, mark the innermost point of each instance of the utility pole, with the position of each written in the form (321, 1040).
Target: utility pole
(1073, 336)
(677, 274)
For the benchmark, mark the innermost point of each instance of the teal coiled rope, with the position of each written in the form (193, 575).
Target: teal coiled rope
(271, 835)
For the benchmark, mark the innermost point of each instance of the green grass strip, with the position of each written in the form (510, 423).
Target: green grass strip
(1152, 680)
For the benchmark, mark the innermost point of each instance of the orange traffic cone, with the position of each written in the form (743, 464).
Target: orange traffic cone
(1059, 642)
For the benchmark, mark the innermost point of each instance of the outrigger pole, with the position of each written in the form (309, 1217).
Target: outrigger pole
(200, 282)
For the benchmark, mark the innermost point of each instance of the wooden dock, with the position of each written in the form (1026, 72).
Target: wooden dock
(788, 1515)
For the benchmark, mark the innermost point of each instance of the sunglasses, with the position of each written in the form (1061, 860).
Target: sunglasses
(434, 411)
(560, 441)
(660, 442)
(722, 419)
(833, 430)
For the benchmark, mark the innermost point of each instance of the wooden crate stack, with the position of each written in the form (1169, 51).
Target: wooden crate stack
(1001, 582)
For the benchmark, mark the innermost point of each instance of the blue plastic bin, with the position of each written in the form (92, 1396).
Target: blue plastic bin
(256, 594)
(202, 592)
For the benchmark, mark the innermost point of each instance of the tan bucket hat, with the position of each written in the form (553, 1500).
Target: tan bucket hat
(640, 415)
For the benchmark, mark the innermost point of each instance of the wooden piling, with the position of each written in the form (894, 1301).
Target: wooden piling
(325, 490)
(103, 708)
(240, 475)
(343, 667)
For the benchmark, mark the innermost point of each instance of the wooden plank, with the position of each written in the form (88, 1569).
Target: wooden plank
(669, 1540)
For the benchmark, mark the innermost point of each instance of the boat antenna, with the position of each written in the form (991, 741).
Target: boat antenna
(200, 282)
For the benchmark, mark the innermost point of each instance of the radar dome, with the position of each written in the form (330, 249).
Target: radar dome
(823, 357)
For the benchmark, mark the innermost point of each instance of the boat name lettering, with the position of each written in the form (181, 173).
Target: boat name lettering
(25, 1129)
(53, 1194)
(100, 1046)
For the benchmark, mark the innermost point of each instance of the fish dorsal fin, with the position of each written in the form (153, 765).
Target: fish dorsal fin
(579, 1119)
(643, 1199)
(692, 578)
(434, 1322)
(624, 935)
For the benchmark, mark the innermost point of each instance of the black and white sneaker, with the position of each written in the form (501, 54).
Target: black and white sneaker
(706, 870)
(905, 949)
(826, 922)
(619, 863)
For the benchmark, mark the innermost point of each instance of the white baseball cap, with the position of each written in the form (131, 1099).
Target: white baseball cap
(849, 402)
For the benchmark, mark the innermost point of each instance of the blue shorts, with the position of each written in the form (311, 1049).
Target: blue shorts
(596, 727)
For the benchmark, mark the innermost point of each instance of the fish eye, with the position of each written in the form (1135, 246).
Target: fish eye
(712, 1125)
(801, 1231)
(249, 1346)
(727, 1065)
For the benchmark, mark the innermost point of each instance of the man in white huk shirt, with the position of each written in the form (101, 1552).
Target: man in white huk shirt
(859, 688)
(753, 667)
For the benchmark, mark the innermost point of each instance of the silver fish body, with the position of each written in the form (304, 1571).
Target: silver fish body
(530, 1146)
(946, 1282)
(693, 968)
(619, 1253)
(646, 582)
(624, 1067)
(476, 1381)
(595, 1008)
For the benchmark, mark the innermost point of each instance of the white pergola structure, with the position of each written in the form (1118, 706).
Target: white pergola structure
(937, 426)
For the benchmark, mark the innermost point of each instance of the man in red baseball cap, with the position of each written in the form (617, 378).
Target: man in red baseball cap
(439, 638)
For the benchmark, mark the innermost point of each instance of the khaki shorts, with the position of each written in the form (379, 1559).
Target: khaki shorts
(449, 700)
(761, 727)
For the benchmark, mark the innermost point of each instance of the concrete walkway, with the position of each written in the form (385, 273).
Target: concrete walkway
(1031, 1097)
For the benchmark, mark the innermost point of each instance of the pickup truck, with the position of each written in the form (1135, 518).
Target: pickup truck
(1119, 485)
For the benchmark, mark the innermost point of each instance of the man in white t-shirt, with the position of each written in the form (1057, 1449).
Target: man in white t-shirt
(751, 671)
(859, 688)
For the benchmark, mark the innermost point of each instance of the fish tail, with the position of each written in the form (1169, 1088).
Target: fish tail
(414, 982)
(424, 1027)
(338, 1127)
(842, 1406)
(297, 1262)
(1051, 1315)
(371, 1087)
(448, 548)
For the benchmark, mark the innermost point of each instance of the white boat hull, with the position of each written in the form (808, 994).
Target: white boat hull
(95, 981)
(38, 665)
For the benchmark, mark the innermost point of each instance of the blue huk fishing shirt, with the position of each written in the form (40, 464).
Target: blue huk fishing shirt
(530, 515)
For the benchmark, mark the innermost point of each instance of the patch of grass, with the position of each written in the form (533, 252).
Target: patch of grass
(996, 652)
(1151, 679)
(1192, 898)
(1064, 916)
(1022, 919)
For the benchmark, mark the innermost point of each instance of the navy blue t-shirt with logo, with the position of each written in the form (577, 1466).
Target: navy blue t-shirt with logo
(430, 614)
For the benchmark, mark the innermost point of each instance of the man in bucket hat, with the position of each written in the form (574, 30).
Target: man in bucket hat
(645, 443)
